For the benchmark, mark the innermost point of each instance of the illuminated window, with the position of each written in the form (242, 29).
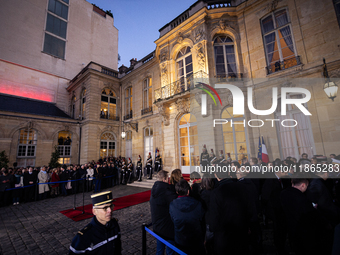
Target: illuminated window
(148, 142)
(278, 40)
(234, 136)
(27, 147)
(128, 144)
(188, 142)
(225, 61)
(108, 106)
(128, 103)
(107, 145)
(184, 68)
(64, 147)
(56, 27)
(147, 96)
(83, 104)
(293, 141)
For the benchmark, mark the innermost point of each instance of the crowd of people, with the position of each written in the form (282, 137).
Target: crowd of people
(226, 212)
(26, 184)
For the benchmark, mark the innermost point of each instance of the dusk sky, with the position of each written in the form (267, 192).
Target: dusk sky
(138, 22)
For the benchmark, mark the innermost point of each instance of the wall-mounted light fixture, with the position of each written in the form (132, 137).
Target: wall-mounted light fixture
(330, 88)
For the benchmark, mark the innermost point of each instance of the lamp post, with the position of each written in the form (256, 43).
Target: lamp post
(330, 88)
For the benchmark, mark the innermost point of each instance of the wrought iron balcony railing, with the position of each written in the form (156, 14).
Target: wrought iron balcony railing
(180, 86)
(282, 65)
(128, 116)
(104, 115)
(146, 110)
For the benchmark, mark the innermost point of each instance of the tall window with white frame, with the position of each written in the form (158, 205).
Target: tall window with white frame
(278, 41)
(293, 141)
(107, 145)
(147, 96)
(83, 104)
(188, 142)
(108, 105)
(184, 68)
(225, 60)
(148, 142)
(64, 147)
(27, 147)
(234, 136)
(128, 103)
(56, 27)
(128, 144)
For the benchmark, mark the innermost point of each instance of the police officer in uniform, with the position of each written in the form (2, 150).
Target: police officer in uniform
(139, 169)
(149, 166)
(204, 157)
(158, 162)
(102, 234)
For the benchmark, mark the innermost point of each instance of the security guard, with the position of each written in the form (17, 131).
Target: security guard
(139, 169)
(102, 234)
(149, 166)
(158, 162)
(204, 157)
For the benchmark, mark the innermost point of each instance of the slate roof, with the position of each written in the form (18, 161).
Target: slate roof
(31, 106)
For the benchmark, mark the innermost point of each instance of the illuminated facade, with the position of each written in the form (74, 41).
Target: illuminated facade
(150, 100)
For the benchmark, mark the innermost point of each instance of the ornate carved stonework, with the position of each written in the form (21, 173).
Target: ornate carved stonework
(334, 73)
(164, 112)
(224, 25)
(201, 56)
(179, 38)
(183, 105)
(164, 74)
(30, 124)
(199, 34)
(66, 128)
(164, 55)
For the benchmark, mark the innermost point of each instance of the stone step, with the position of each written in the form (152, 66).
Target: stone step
(145, 183)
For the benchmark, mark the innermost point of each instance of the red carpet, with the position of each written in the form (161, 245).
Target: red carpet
(120, 203)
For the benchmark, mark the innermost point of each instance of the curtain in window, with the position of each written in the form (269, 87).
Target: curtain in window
(281, 20)
(302, 134)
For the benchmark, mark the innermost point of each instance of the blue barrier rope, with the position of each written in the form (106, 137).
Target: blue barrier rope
(56, 182)
(165, 242)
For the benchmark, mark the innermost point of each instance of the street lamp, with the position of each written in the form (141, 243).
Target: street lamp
(330, 88)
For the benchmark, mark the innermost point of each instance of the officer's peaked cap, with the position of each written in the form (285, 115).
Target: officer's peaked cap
(101, 198)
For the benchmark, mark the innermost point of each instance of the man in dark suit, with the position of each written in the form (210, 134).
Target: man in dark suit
(308, 232)
(271, 191)
(231, 214)
(30, 180)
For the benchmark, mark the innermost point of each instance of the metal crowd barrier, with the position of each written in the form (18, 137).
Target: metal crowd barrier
(145, 228)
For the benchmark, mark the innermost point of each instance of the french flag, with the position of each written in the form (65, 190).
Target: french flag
(265, 157)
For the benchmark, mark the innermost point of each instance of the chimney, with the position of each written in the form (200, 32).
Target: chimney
(133, 61)
(122, 69)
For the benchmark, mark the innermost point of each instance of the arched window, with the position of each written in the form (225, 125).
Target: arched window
(296, 140)
(64, 147)
(73, 107)
(225, 61)
(278, 41)
(148, 142)
(234, 135)
(184, 68)
(27, 147)
(128, 144)
(108, 106)
(107, 145)
(188, 142)
(83, 104)
(147, 96)
(128, 103)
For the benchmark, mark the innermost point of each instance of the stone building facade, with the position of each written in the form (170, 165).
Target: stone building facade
(259, 44)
